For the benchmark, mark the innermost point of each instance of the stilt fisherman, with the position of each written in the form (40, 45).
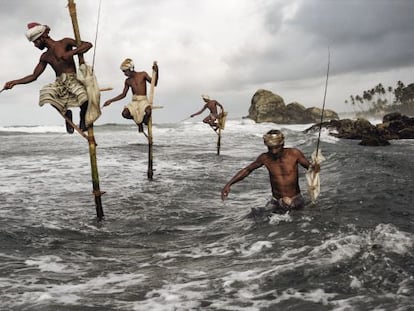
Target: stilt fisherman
(67, 91)
(139, 109)
(213, 118)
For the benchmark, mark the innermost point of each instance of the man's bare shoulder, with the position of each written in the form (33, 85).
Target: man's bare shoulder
(263, 157)
(45, 55)
(67, 40)
(291, 149)
(293, 152)
(211, 104)
(139, 75)
(260, 161)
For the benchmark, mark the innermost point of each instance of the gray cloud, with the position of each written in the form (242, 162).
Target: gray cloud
(228, 49)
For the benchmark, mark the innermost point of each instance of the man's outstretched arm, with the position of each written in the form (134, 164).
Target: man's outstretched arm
(40, 67)
(242, 174)
(199, 112)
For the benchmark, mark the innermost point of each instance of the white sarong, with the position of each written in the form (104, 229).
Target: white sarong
(66, 92)
(137, 107)
(72, 90)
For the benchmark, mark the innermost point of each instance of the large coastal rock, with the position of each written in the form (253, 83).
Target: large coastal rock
(393, 126)
(269, 107)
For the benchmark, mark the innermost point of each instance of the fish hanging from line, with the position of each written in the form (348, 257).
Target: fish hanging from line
(313, 178)
(87, 77)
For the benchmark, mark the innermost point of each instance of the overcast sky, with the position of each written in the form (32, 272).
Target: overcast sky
(227, 49)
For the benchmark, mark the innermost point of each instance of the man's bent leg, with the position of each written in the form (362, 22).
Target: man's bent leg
(213, 124)
(82, 114)
(68, 115)
(69, 127)
(126, 114)
(147, 116)
(140, 127)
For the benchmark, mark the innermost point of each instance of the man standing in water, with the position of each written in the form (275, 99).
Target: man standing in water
(282, 165)
(66, 91)
(139, 109)
(211, 105)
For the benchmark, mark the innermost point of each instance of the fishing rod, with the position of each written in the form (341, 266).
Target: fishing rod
(324, 99)
(184, 120)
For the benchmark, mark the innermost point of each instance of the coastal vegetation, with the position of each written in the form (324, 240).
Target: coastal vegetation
(380, 100)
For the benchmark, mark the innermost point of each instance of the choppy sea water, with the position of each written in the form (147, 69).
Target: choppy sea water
(172, 244)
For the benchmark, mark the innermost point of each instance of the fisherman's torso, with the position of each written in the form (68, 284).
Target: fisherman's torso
(212, 106)
(54, 56)
(138, 83)
(283, 173)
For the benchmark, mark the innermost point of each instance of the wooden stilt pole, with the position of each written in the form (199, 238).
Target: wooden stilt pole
(75, 127)
(91, 138)
(220, 123)
(219, 141)
(150, 171)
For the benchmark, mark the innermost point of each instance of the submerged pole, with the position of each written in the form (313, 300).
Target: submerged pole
(91, 138)
(221, 123)
(219, 141)
(150, 171)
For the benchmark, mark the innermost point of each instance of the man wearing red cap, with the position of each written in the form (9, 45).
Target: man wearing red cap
(66, 92)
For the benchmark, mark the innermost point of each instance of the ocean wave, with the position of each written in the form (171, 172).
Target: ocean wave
(36, 129)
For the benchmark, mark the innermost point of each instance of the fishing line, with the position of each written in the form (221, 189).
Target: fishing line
(324, 99)
(96, 34)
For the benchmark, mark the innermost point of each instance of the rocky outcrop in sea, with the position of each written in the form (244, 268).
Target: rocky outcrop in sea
(394, 126)
(269, 107)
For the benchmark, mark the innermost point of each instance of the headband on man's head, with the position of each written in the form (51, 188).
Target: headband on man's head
(206, 97)
(35, 31)
(127, 64)
(274, 140)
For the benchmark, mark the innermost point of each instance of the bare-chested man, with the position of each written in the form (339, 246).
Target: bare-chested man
(139, 109)
(211, 105)
(282, 165)
(66, 91)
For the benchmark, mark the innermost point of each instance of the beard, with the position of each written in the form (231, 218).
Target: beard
(41, 46)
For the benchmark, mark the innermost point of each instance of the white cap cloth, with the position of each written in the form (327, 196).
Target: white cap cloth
(35, 30)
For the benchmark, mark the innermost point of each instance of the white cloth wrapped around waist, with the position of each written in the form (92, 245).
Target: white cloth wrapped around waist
(137, 107)
(72, 90)
(296, 201)
(64, 93)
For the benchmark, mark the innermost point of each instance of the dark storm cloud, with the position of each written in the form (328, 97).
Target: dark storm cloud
(363, 36)
(227, 49)
(366, 35)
